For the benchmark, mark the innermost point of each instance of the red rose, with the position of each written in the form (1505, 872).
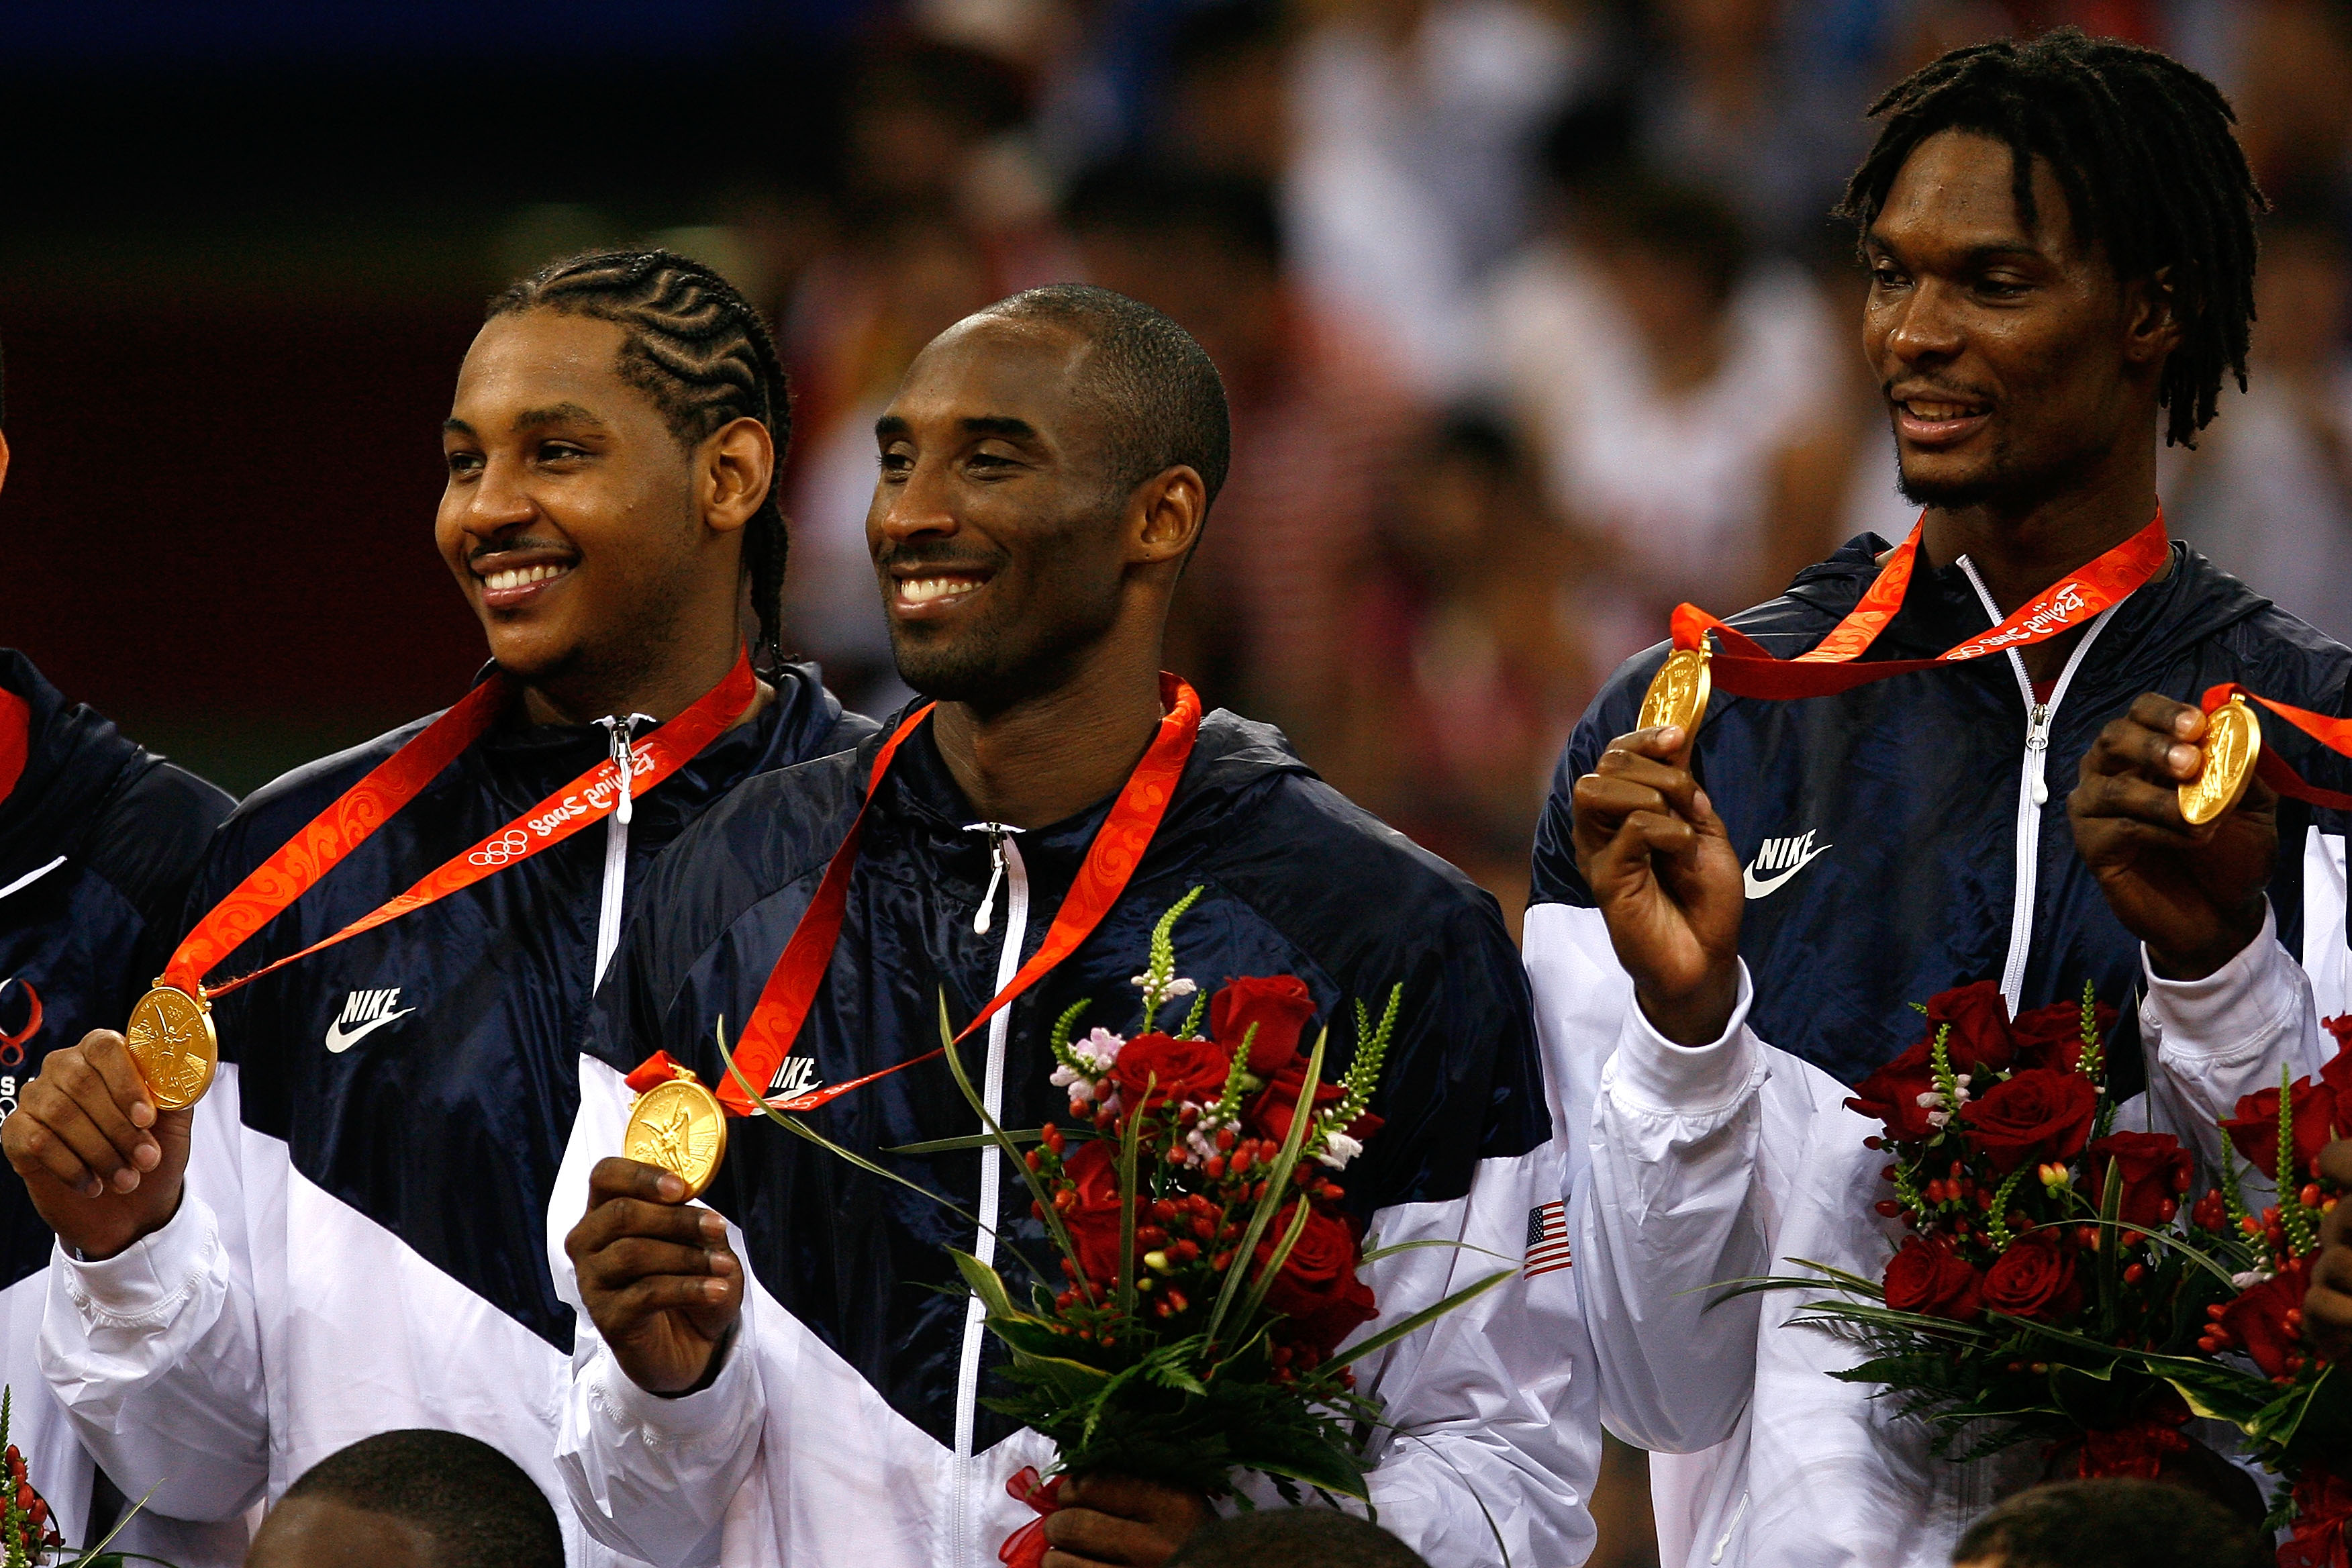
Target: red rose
(1279, 1006)
(1271, 1112)
(1892, 1095)
(2322, 1506)
(2034, 1116)
(1092, 1221)
(2052, 1037)
(2034, 1278)
(1978, 1016)
(2256, 1318)
(1317, 1289)
(1927, 1276)
(2254, 1130)
(1176, 1070)
(2153, 1169)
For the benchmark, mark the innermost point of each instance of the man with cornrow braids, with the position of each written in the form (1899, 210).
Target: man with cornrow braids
(347, 1234)
(2060, 239)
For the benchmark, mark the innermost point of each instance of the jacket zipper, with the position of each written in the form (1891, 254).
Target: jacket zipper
(2033, 784)
(621, 739)
(1005, 868)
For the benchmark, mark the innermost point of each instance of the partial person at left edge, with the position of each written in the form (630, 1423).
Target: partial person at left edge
(99, 840)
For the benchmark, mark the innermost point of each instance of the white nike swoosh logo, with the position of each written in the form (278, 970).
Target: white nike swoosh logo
(1759, 887)
(339, 1042)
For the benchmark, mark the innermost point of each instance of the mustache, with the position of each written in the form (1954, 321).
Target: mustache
(502, 546)
(938, 556)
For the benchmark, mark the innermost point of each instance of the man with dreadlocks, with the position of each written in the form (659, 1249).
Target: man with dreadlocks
(2060, 241)
(347, 1235)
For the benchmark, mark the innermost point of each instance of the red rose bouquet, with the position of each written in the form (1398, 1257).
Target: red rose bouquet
(28, 1533)
(1207, 1272)
(2047, 1271)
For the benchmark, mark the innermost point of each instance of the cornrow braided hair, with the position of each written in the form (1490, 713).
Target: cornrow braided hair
(704, 355)
(2142, 148)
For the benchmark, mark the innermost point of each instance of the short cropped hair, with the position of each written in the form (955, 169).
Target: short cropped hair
(1294, 1538)
(476, 1504)
(2112, 1523)
(1166, 400)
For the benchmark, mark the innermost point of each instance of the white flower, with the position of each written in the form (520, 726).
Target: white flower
(1098, 1049)
(1181, 988)
(1938, 1118)
(1337, 1150)
(1931, 1100)
(1080, 1085)
(2249, 1279)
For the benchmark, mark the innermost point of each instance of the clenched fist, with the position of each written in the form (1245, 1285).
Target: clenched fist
(658, 1279)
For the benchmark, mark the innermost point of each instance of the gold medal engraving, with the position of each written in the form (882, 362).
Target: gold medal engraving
(1677, 693)
(171, 1038)
(2233, 741)
(679, 1126)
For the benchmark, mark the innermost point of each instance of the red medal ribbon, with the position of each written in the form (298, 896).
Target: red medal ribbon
(2273, 769)
(16, 740)
(1745, 669)
(300, 863)
(1117, 849)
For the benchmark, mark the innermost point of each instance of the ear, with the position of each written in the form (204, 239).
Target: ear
(2152, 324)
(733, 470)
(1165, 515)
(3, 458)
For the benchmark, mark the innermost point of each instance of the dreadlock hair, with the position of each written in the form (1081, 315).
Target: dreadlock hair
(704, 355)
(2142, 147)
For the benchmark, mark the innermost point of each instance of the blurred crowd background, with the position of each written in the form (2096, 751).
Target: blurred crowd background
(1531, 313)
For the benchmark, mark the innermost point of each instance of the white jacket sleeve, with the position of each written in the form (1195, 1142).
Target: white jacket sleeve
(154, 1356)
(1675, 1202)
(1493, 1409)
(2208, 1042)
(648, 1476)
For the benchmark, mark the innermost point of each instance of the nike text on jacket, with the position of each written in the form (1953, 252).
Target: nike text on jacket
(1898, 839)
(97, 841)
(845, 1424)
(362, 1245)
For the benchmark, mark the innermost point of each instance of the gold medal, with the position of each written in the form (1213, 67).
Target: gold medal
(679, 1126)
(1677, 693)
(2233, 741)
(171, 1038)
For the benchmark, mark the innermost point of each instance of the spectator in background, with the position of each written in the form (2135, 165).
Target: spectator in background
(1467, 678)
(414, 1498)
(1228, 106)
(1670, 385)
(2110, 1523)
(1261, 619)
(1294, 1538)
(2268, 491)
(1407, 182)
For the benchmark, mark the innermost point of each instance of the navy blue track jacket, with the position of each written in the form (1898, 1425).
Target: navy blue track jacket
(369, 1187)
(854, 1307)
(97, 841)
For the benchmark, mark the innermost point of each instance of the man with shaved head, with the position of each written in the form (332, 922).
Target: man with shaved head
(793, 1374)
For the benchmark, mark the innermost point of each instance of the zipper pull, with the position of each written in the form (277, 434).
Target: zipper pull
(987, 915)
(621, 737)
(2037, 745)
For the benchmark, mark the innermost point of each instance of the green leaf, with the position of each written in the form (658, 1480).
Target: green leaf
(1276, 1180)
(1029, 1178)
(1130, 1140)
(1380, 1252)
(966, 1143)
(1426, 1316)
(985, 1282)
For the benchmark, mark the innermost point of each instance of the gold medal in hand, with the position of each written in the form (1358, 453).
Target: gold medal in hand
(2233, 742)
(1677, 693)
(679, 1126)
(172, 1041)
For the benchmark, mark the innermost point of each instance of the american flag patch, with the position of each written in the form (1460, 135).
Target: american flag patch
(1546, 1239)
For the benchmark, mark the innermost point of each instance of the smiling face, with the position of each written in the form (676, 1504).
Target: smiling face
(998, 529)
(578, 526)
(2015, 365)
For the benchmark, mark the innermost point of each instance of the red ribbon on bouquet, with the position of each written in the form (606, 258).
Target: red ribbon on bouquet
(1025, 1547)
(1744, 669)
